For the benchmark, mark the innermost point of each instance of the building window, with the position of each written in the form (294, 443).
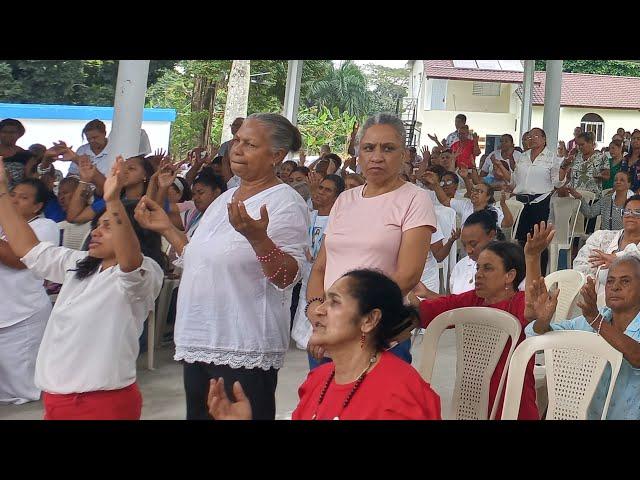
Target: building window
(592, 122)
(486, 89)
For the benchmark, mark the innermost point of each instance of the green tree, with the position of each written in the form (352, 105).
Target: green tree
(344, 88)
(627, 68)
(387, 86)
(319, 126)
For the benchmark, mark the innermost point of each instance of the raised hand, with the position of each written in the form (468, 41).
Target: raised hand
(316, 351)
(303, 158)
(426, 155)
(433, 137)
(332, 168)
(167, 173)
(542, 236)
(598, 258)
(572, 191)
(475, 137)
(463, 172)
(504, 196)
(430, 178)
(160, 153)
(540, 302)
(252, 230)
(151, 216)
(115, 181)
(589, 302)
(314, 180)
(60, 151)
(87, 169)
(455, 235)
(223, 408)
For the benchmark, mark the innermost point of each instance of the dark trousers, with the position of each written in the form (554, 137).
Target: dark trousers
(259, 385)
(532, 214)
(295, 299)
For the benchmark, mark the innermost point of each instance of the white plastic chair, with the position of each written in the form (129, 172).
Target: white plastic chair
(575, 361)
(163, 303)
(579, 232)
(569, 282)
(74, 234)
(565, 213)
(481, 334)
(515, 207)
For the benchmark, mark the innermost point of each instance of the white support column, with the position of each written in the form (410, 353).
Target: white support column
(292, 91)
(237, 96)
(527, 98)
(552, 93)
(128, 107)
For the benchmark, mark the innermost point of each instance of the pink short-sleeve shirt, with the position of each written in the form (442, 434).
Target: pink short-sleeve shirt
(366, 232)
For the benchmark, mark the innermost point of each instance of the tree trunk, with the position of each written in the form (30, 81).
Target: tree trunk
(237, 96)
(203, 99)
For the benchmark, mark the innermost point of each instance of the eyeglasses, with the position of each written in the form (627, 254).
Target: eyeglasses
(446, 183)
(626, 212)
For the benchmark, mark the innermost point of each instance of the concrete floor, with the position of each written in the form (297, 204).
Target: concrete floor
(163, 392)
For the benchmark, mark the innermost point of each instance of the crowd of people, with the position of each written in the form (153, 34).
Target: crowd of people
(339, 255)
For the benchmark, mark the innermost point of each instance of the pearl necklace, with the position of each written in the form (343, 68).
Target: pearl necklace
(356, 385)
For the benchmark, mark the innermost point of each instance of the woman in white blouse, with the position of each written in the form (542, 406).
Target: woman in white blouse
(25, 304)
(86, 364)
(239, 270)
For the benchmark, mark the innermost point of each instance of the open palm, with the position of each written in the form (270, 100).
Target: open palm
(115, 181)
(221, 407)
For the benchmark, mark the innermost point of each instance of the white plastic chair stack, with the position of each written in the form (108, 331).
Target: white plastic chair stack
(481, 334)
(565, 213)
(515, 207)
(73, 234)
(575, 361)
(446, 222)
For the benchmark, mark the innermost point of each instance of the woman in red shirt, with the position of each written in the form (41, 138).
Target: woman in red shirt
(362, 313)
(500, 269)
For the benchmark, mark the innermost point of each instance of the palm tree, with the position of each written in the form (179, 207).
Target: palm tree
(344, 88)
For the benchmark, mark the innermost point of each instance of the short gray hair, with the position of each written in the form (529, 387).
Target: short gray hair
(284, 135)
(632, 259)
(384, 119)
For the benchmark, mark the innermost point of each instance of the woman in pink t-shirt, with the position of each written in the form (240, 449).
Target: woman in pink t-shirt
(385, 224)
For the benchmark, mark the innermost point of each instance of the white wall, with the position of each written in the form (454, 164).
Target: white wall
(46, 131)
(460, 97)
(570, 118)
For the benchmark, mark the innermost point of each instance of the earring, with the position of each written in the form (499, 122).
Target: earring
(362, 339)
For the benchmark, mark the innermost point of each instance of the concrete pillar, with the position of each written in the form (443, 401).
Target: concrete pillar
(128, 107)
(237, 96)
(527, 98)
(292, 91)
(552, 93)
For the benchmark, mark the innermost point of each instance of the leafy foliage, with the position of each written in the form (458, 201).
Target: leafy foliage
(319, 126)
(387, 86)
(627, 68)
(344, 88)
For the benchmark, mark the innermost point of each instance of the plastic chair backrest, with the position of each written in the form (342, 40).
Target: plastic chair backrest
(481, 333)
(565, 214)
(569, 282)
(574, 362)
(74, 235)
(515, 207)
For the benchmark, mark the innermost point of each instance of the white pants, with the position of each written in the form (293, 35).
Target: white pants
(19, 346)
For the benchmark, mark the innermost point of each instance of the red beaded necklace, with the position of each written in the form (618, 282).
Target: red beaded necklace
(356, 385)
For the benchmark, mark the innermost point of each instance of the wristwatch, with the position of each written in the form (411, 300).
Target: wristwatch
(42, 171)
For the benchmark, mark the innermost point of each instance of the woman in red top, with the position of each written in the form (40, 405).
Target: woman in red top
(500, 269)
(363, 312)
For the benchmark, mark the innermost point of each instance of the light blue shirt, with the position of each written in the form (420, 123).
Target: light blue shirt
(625, 400)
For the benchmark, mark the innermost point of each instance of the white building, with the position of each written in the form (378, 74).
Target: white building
(489, 93)
(46, 124)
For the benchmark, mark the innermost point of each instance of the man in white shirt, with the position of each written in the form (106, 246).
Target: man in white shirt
(460, 121)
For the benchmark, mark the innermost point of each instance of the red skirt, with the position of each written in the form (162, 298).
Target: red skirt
(122, 404)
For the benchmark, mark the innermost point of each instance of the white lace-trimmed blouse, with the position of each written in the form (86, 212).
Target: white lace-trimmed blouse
(228, 312)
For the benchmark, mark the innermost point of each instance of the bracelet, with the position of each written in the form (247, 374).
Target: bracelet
(314, 299)
(600, 326)
(595, 319)
(265, 258)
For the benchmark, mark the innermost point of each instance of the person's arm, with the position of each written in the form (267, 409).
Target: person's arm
(414, 248)
(626, 345)
(315, 284)
(504, 173)
(581, 263)
(431, 179)
(125, 241)
(196, 166)
(152, 216)
(588, 211)
(8, 258)
(442, 251)
(351, 148)
(542, 236)
(560, 171)
(468, 183)
(78, 202)
(475, 178)
(20, 236)
(508, 219)
(476, 147)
